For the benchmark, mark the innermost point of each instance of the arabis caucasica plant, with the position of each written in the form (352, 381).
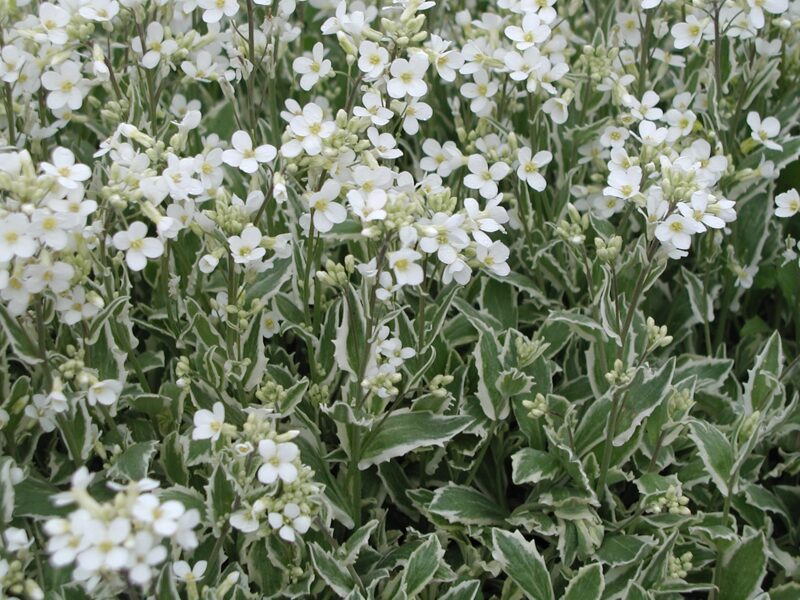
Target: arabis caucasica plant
(437, 299)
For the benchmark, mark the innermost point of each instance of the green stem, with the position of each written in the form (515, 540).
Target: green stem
(611, 426)
(12, 126)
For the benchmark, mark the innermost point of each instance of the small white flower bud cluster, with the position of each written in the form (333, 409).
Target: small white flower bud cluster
(537, 407)
(673, 501)
(657, 335)
(678, 567)
(619, 375)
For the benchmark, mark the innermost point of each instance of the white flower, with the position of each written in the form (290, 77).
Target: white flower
(184, 535)
(406, 270)
(368, 206)
(745, 275)
(67, 537)
(270, 324)
(651, 135)
(185, 573)
(66, 86)
(788, 204)
(557, 109)
(327, 213)
(246, 248)
(372, 59)
(247, 520)
(374, 110)
(384, 143)
(444, 235)
(155, 46)
(764, 131)
(74, 307)
(100, 11)
(312, 69)
(106, 550)
(678, 231)
(145, 554)
(278, 460)
(482, 177)
(244, 157)
(698, 210)
(11, 61)
(15, 238)
(208, 424)
(646, 108)
(53, 20)
(757, 8)
(613, 137)
(69, 174)
(105, 392)
(16, 539)
(530, 166)
(414, 112)
(442, 158)
(137, 246)
(624, 183)
(532, 32)
(407, 77)
(162, 517)
(310, 130)
(480, 92)
(445, 61)
(213, 10)
(691, 32)
(290, 522)
(56, 276)
(494, 258)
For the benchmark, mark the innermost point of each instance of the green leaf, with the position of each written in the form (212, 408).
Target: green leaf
(487, 362)
(110, 311)
(219, 497)
(173, 458)
(642, 397)
(588, 584)
(465, 590)
(6, 490)
(499, 299)
(715, 451)
(269, 282)
(699, 299)
(166, 588)
(764, 377)
(461, 504)
(787, 591)
(436, 318)
(134, 462)
(403, 432)
(422, 566)
(624, 549)
(33, 498)
(743, 568)
(520, 560)
(584, 327)
(22, 345)
(331, 570)
(350, 550)
(532, 466)
(351, 335)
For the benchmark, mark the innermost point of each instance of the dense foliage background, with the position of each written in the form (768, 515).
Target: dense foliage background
(443, 300)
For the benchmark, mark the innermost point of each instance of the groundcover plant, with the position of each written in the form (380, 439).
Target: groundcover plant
(412, 299)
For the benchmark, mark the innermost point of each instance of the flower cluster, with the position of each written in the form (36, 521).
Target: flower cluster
(125, 538)
(358, 297)
(282, 495)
